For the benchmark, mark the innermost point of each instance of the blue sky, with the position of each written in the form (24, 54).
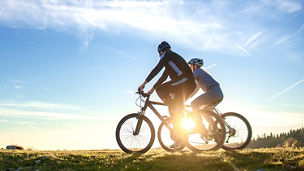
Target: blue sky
(68, 69)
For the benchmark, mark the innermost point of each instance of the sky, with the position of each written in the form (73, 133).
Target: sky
(69, 69)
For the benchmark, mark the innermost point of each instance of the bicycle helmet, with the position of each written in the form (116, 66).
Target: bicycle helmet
(196, 61)
(163, 46)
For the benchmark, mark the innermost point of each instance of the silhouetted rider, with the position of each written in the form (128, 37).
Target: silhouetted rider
(176, 91)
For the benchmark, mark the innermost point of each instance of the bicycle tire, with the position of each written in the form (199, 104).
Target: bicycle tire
(122, 144)
(160, 139)
(220, 136)
(248, 127)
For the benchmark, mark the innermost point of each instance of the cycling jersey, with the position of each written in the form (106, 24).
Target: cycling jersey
(204, 80)
(175, 67)
(213, 92)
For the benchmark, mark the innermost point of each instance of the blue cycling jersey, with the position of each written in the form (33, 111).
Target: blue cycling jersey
(204, 80)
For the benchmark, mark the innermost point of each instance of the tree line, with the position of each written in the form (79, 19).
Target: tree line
(293, 138)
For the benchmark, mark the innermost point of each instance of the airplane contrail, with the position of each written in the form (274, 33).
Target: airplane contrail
(243, 49)
(280, 93)
(210, 66)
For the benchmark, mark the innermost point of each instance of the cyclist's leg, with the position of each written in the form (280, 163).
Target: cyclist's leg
(166, 93)
(163, 92)
(174, 96)
(181, 94)
(176, 114)
(212, 95)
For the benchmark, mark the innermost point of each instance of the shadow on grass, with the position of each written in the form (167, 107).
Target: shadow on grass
(172, 161)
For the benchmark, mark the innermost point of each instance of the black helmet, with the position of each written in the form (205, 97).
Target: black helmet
(163, 46)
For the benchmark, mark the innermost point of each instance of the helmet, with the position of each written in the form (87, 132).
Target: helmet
(163, 45)
(196, 61)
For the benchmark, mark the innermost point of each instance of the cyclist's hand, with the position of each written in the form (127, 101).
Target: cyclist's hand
(141, 87)
(151, 91)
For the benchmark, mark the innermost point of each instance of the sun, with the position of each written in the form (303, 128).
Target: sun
(188, 123)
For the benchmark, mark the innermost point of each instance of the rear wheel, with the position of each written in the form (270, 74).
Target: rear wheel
(164, 136)
(239, 136)
(126, 138)
(214, 136)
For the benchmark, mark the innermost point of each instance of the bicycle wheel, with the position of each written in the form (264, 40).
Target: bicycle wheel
(131, 143)
(240, 135)
(164, 136)
(213, 139)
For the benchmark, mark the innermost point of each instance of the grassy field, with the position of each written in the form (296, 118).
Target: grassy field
(263, 159)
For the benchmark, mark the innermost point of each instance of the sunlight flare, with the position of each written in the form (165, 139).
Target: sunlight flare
(188, 123)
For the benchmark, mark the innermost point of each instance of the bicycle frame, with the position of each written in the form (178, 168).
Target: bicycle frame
(217, 112)
(150, 104)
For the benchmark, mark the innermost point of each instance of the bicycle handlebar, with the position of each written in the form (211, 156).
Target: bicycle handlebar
(154, 102)
(143, 94)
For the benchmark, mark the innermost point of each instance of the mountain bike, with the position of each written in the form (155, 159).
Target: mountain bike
(135, 132)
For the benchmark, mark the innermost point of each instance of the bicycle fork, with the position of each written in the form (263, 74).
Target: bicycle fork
(139, 122)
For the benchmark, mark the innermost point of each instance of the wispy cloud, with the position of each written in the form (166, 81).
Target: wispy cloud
(156, 19)
(270, 8)
(288, 6)
(253, 38)
(285, 90)
(41, 105)
(8, 112)
(147, 16)
(201, 28)
(282, 39)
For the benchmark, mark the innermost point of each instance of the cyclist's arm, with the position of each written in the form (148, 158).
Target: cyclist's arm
(161, 80)
(157, 69)
(196, 90)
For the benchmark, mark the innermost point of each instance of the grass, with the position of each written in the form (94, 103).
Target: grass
(249, 159)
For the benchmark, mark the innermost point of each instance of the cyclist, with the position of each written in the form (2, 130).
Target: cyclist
(213, 94)
(174, 92)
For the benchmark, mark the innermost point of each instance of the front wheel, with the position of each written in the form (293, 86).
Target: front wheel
(239, 135)
(127, 138)
(164, 135)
